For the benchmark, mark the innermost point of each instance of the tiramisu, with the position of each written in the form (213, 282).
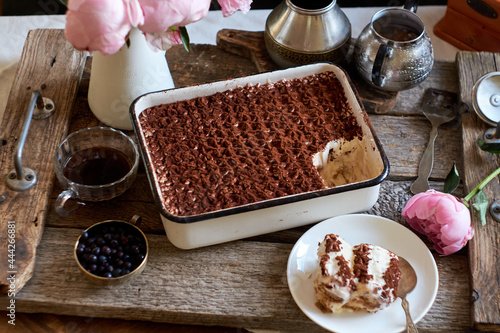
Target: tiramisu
(254, 143)
(355, 278)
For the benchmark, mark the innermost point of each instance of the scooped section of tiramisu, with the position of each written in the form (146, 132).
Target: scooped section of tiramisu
(355, 278)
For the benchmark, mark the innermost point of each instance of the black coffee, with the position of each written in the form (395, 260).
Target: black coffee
(97, 166)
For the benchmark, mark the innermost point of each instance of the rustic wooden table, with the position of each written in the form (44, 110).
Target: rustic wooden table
(239, 285)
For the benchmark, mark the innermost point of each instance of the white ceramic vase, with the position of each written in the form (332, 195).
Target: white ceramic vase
(116, 80)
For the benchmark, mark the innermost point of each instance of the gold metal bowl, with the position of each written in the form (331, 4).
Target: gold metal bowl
(114, 236)
(300, 32)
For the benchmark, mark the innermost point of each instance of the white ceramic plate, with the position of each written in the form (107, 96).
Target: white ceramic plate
(356, 229)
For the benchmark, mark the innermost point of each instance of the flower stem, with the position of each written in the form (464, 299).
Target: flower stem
(481, 185)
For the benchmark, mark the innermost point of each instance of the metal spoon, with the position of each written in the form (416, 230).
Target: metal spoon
(407, 283)
(439, 107)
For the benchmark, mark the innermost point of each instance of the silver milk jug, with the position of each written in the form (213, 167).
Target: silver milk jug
(300, 32)
(394, 52)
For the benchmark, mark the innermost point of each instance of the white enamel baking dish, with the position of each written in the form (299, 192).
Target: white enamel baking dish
(270, 215)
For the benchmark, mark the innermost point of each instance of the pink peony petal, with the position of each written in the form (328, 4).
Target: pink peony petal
(442, 218)
(229, 7)
(101, 25)
(159, 16)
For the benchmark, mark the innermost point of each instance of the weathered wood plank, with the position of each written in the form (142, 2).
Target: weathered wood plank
(443, 76)
(52, 66)
(207, 286)
(393, 197)
(44, 323)
(485, 246)
(206, 63)
(405, 139)
(471, 66)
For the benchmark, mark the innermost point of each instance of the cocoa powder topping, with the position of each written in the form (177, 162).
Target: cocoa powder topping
(361, 260)
(332, 243)
(344, 273)
(392, 276)
(245, 145)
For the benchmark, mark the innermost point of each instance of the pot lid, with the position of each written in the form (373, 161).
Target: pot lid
(486, 98)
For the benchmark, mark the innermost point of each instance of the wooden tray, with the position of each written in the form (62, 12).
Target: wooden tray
(238, 284)
(484, 248)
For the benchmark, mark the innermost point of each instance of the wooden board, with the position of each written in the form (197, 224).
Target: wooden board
(238, 284)
(210, 286)
(52, 66)
(485, 246)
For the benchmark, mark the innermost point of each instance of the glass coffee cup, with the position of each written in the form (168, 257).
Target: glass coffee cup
(94, 164)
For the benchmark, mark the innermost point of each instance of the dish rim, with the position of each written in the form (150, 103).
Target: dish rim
(314, 69)
(373, 219)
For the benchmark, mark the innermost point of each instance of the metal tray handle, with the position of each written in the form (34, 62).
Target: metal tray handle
(23, 178)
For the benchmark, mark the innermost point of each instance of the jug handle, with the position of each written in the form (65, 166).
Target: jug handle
(411, 5)
(383, 52)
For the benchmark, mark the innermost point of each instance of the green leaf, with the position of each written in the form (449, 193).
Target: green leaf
(64, 2)
(481, 206)
(452, 180)
(185, 38)
(490, 147)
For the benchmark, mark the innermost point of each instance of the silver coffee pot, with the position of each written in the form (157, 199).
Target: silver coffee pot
(300, 32)
(394, 52)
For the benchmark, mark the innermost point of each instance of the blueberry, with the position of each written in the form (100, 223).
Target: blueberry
(117, 272)
(80, 249)
(106, 250)
(124, 240)
(101, 241)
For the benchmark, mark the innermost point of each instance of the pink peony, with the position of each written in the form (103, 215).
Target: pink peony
(442, 218)
(104, 25)
(229, 7)
(101, 25)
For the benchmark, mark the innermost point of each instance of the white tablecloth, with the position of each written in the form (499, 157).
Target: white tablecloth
(14, 29)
